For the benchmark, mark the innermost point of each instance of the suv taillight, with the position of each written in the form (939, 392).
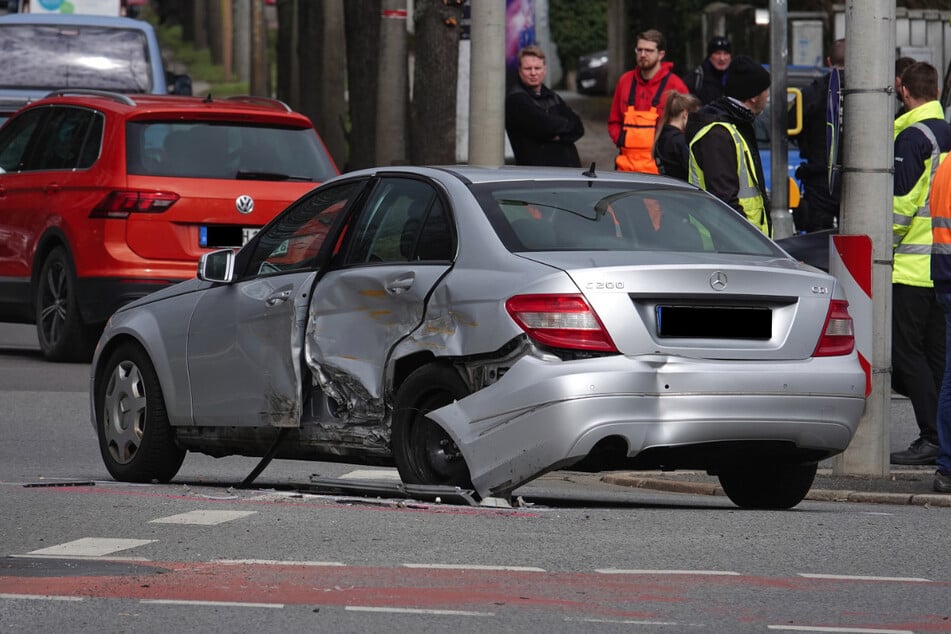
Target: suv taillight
(560, 321)
(119, 204)
(838, 336)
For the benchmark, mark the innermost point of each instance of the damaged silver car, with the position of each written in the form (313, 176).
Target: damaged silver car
(479, 327)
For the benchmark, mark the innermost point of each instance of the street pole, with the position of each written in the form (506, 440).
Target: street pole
(867, 187)
(779, 144)
(392, 86)
(487, 83)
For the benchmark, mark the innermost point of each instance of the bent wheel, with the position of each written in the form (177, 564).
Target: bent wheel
(768, 486)
(135, 438)
(59, 326)
(424, 453)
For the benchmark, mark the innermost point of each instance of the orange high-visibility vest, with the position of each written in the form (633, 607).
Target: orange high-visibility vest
(636, 142)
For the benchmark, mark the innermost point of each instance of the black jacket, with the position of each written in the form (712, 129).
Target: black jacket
(541, 128)
(706, 82)
(716, 152)
(671, 153)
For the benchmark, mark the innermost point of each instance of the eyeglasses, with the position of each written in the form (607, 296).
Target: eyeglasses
(645, 51)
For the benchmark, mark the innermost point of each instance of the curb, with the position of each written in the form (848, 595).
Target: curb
(822, 495)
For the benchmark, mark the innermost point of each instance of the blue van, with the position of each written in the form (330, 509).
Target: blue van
(46, 52)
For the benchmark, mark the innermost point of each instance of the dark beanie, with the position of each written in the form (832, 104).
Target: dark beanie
(745, 78)
(718, 43)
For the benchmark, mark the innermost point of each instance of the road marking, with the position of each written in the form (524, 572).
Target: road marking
(865, 578)
(276, 562)
(39, 597)
(631, 622)
(203, 518)
(366, 608)
(851, 630)
(371, 474)
(90, 547)
(714, 573)
(475, 567)
(236, 604)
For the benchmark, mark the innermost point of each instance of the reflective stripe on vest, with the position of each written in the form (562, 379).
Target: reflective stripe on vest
(911, 262)
(748, 195)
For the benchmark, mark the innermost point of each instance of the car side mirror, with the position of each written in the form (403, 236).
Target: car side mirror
(217, 266)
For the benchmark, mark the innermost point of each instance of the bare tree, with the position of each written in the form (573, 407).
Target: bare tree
(362, 26)
(435, 74)
(322, 71)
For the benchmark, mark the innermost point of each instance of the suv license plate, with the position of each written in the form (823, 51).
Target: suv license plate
(247, 233)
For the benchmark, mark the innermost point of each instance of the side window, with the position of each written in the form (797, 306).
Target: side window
(61, 142)
(402, 221)
(89, 153)
(295, 239)
(15, 138)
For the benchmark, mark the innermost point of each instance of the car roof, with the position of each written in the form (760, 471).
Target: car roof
(151, 106)
(75, 19)
(477, 174)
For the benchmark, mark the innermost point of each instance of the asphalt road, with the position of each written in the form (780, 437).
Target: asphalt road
(82, 553)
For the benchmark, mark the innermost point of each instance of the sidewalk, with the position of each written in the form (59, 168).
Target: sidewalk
(906, 485)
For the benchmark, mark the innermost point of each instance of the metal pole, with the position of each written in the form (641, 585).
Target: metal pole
(867, 187)
(778, 144)
(487, 84)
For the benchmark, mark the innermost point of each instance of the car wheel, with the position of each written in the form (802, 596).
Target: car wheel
(135, 437)
(59, 327)
(773, 486)
(423, 451)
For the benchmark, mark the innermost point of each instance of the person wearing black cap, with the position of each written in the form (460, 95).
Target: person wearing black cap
(721, 132)
(708, 79)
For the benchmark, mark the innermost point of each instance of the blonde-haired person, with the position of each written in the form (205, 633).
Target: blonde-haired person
(671, 152)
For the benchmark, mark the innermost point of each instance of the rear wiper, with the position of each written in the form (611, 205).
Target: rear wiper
(246, 175)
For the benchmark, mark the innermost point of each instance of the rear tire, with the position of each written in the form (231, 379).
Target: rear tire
(768, 486)
(59, 327)
(424, 453)
(135, 438)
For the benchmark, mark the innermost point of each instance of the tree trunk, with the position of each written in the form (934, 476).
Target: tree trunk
(435, 75)
(288, 79)
(362, 20)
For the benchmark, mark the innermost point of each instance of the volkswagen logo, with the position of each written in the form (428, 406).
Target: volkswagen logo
(718, 281)
(244, 204)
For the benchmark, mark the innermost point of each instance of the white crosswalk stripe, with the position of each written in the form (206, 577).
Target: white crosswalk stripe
(90, 547)
(202, 518)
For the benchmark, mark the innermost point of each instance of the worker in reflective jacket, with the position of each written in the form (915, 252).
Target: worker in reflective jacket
(922, 139)
(638, 104)
(724, 156)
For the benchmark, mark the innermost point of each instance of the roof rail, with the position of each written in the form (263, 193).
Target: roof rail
(118, 97)
(260, 101)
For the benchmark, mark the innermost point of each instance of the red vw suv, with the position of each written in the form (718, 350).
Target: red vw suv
(105, 197)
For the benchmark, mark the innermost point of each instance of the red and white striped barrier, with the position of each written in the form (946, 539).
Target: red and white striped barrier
(850, 261)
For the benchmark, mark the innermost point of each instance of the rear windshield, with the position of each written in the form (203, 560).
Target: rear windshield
(580, 216)
(39, 57)
(226, 150)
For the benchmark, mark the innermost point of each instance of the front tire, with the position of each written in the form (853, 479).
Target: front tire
(59, 327)
(135, 438)
(424, 453)
(769, 486)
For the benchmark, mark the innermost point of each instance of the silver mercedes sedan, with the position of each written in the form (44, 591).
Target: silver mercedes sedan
(478, 327)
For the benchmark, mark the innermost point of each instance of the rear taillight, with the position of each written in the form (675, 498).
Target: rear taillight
(119, 204)
(560, 321)
(838, 336)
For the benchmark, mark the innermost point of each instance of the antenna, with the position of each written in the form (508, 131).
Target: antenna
(590, 172)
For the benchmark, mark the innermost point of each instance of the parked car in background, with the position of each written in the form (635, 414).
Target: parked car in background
(592, 75)
(479, 327)
(53, 51)
(105, 197)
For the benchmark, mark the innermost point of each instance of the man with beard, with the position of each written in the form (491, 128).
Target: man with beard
(724, 155)
(639, 103)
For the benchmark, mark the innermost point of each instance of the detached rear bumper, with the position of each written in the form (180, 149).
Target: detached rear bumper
(543, 415)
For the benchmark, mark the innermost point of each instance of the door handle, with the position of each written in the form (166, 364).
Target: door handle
(52, 188)
(277, 298)
(401, 284)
